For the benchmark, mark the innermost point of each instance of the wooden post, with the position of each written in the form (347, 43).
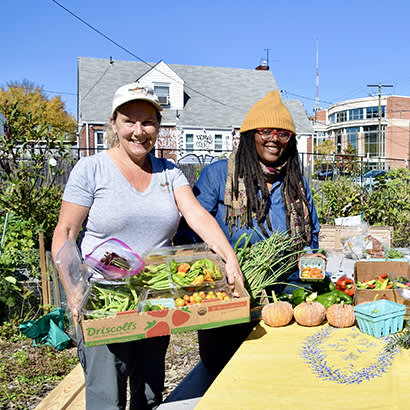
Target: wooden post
(44, 274)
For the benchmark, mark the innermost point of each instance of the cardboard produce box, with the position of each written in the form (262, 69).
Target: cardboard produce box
(368, 270)
(134, 325)
(100, 326)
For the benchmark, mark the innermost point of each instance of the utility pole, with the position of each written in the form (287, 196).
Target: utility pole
(379, 134)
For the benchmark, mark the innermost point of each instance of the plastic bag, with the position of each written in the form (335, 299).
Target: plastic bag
(49, 330)
(358, 243)
(74, 275)
(114, 260)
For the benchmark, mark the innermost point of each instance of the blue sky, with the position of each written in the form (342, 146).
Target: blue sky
(360, 42)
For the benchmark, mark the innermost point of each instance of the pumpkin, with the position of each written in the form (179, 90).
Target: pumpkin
(309, 313)
(340, 315)
(277, 314)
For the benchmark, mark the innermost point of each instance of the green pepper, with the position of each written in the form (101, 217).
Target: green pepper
(327, 299)
(173, 266)
(333, 297)
(208, 264)
(199, 264)
(346, 299)
(217, 273)
(298, 296)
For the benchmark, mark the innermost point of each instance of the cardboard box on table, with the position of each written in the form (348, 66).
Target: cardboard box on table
(368, 270)
(126, 326)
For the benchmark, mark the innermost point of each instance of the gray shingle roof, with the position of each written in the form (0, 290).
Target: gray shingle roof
(302, 123)
(219, 97)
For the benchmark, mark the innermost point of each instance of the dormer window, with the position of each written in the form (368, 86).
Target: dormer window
(162, 92)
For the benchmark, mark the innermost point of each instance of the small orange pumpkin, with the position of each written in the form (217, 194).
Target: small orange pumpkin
(277, 314)
(340, 315)
(309, 313)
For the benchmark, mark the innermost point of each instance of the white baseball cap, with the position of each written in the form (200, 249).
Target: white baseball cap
(134, 92)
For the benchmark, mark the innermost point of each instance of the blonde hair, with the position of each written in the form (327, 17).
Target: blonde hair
(110, 137)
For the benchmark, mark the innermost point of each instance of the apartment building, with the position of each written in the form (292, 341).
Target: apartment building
(377, 127)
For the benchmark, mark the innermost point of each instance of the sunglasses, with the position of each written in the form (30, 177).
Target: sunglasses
(268, 133)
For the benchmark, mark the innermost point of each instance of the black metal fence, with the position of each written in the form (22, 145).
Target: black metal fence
(314, 166)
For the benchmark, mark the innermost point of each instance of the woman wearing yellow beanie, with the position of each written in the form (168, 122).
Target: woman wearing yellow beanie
(259, 186)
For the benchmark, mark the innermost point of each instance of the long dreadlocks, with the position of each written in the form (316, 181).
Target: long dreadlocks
(248, 168)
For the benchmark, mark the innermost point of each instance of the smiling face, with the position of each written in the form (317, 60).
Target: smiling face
(269, 152)
(136, 125)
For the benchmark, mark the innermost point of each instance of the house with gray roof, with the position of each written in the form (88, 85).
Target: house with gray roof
(203, 106)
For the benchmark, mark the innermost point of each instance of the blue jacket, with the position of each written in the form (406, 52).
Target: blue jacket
(210, 191)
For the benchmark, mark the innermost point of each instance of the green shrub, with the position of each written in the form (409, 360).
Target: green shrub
(389, 204)
(339, 198)
(19, 263)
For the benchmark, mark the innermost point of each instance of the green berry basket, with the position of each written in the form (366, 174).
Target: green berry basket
(380, 318)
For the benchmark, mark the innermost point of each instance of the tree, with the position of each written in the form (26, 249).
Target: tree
(348, 163)
(35, 134)
(326, 150)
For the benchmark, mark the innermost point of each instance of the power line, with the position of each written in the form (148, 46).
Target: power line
(135, 56)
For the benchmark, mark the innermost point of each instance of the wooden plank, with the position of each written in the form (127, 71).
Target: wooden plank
(68, 395)
(78, 402)
(44, 274)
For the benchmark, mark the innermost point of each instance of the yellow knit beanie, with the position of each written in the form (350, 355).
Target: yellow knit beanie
(269, 112)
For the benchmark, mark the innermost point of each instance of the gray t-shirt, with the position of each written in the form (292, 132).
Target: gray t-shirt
(143, 220)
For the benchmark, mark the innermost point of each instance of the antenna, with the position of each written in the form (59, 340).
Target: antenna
(317, 106)
(267, 56)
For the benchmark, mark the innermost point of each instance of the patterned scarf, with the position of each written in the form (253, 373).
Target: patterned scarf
(236, 214)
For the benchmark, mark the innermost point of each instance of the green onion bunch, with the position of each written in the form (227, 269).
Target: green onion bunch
(264, 262)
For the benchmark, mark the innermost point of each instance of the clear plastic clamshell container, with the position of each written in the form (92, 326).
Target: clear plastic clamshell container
(197, 272)
(312, 269)
(157, 300)
(107, 298)
(161, 255)
(185, 297)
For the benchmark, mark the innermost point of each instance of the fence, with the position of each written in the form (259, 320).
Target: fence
(331, 165)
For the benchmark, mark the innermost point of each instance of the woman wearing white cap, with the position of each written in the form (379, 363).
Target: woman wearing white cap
(129, 194)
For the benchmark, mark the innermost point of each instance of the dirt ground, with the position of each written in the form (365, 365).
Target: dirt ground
(18, 370)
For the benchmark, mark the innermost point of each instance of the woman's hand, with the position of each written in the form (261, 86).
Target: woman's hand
(233, 272)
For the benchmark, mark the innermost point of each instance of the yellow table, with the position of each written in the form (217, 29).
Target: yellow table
(295, 367)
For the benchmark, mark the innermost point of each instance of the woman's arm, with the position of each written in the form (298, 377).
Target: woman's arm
(205, 225)
(69, 224)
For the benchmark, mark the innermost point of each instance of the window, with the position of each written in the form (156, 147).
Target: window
(99, 140)
(356, 114)
(218, 142)
(332, 118)
(189, 142)
(371, 140)
(338, 137)
(162, 92)
(341, 116)
(352, 134)
(319, 137)
(373, 112)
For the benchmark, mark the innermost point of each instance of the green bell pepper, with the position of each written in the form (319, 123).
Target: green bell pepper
(298, 296)
(331, 298)
(327, 299)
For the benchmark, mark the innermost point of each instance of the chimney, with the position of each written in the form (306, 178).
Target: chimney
(263, 66)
